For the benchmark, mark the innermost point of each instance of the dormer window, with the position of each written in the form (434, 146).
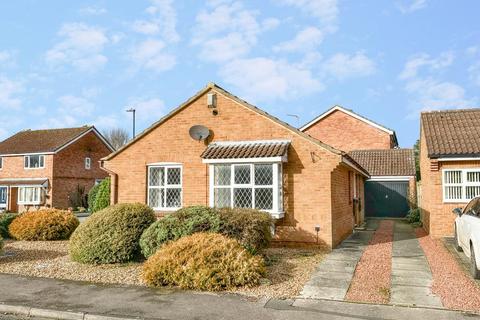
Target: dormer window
(36, 161)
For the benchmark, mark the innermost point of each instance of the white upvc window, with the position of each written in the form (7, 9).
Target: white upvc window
(36, 161)
(247, 185)
(460, 185)
(165, 187)
(88, 163)
(31, 195)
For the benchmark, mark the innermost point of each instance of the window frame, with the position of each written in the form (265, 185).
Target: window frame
(88, 163)
(165, 186)
(41, 161)
(276, 186)
(41, 195)
(464, 184)
(1, 163)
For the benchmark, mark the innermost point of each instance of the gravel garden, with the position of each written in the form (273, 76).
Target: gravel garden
(196, 248)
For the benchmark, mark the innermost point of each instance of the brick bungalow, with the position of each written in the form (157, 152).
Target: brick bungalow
(243, 157)
(40, 168)
(449, 166)
(375, 147)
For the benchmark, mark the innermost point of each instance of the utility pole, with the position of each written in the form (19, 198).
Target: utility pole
(132, 110)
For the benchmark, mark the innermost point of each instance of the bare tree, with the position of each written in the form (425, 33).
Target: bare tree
(117, 137)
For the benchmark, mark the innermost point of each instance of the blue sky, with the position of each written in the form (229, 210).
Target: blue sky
(68, 63)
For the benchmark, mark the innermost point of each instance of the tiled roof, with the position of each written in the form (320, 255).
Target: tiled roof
(35, 141)
(246, 149)
(387, 162)
(452, 133)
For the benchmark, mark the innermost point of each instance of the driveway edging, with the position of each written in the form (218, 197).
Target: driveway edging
(55, 314)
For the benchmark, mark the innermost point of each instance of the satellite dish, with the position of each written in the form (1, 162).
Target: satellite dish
(199, 132)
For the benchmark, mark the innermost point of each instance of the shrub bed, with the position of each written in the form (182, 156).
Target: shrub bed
(252, 228)
(183, 222)
(99, 196)
(203, 261)
(1, 245)
(43, 225)
(111, 235)
(5, 221)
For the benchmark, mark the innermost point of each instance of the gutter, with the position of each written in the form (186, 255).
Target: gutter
(354, 165)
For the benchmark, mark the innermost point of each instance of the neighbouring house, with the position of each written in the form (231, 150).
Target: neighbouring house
(218, 150)
(346, 130)
(392, 185)
(41, 168)
(449, 166)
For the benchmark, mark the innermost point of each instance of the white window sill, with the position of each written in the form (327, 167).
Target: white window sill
(166, 209)
(277, 215)
(30, 203)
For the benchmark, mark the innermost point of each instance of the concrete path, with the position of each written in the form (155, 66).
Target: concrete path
(411, 275)
(332, 277)
(83, 301)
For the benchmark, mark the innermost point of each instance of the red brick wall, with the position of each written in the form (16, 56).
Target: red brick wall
(437, 216)
(347, 133)
(307, 182)
(69, 168)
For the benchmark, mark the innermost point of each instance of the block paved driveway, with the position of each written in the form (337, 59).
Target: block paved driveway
(411, 278)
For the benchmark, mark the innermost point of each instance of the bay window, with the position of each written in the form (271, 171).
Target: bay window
(165, 187)
(247, 185)
(31, 195)
(460, 185)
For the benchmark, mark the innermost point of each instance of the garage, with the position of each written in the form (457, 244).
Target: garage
(392, 181)
(386, 199)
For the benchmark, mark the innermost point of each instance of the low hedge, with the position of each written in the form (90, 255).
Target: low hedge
(203, 261)
(252, 228)
(43, 225)
(5, 221)
(181, 223)
(111, 235)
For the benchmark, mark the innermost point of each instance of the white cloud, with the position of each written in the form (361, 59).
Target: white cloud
(228, 27)
(6, 58)
(262, 79)
(148, 109)
(343, 66)
(409, 6)
(413, 65)
(92, 11)
(9, 91)
(270, 24)
(162, 21)
(146, 27)
(305, 40)
(81, 47)
(74, 105)
(106, 122)
(150, 54)
(325, 10)
(430, 94)
(474, 71)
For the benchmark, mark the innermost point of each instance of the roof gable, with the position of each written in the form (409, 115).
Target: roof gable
(350, 113)
(218, 89)
(45, 141)
(451, 133)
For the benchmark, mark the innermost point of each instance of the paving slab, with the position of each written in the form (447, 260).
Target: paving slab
(332, 276)
(411, 282)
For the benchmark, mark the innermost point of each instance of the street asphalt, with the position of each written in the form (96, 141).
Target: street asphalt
(77, 300)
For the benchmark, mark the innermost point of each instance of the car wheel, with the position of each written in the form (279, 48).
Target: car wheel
(474, 267)
(456, 243)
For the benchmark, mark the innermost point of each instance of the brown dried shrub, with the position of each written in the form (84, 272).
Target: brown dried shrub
(203, 261)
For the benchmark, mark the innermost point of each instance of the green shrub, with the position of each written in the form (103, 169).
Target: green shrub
(43, 225)
(1, 245)
(204, 261)
(111, 235)
(413, 216)
(252, 228)
(185, 221)
(102, 197)
(5, 221)
(92, 195)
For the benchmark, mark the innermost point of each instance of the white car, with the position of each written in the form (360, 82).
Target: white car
(467, 233)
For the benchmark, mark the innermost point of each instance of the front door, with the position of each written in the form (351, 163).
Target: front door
(3, 198)
(386, 199)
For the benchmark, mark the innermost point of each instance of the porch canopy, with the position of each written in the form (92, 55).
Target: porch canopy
(12, 182)
(243, 151)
